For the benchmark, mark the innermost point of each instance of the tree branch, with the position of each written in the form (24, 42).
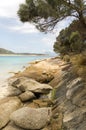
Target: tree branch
(69, 4)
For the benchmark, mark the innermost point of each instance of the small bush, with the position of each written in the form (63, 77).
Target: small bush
(80, 59)
(82, 71)
(66, 58)
(76, 42)
(79, 65)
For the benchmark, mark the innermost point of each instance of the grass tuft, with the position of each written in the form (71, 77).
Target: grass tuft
(79, 65)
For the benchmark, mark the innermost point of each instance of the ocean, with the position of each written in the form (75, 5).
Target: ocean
(11, 64)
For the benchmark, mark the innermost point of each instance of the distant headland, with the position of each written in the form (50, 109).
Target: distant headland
(11, 53)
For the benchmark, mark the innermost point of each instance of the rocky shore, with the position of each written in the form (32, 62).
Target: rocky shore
(47, 95)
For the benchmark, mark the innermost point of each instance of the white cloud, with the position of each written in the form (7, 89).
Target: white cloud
(24, 28)
(8, 8)
(48, 40)
(47, 51)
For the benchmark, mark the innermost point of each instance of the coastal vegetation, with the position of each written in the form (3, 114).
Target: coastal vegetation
(71, 40)
(45, 14)
(71, 44)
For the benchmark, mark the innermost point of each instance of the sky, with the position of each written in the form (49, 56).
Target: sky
(24, 37)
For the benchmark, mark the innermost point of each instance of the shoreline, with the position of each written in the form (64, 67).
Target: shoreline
(41, 70)
(8, 72)
(23, 55)
(42, 66)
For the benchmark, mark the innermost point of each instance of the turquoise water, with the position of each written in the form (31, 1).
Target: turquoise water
(9, 64)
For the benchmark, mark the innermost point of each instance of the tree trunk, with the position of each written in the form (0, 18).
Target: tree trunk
(82, 20)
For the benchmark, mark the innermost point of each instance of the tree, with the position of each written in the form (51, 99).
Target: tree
(71, 40)
(62, 44)
(45, 14)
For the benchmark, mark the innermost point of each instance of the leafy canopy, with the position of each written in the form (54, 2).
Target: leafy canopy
(71, 39)
(45, 14)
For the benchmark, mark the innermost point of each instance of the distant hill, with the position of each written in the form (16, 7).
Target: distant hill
(4, 51)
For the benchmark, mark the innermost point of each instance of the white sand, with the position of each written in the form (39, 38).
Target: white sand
(4, 91)
(3, 88)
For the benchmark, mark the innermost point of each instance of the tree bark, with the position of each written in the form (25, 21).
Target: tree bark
(82, 19)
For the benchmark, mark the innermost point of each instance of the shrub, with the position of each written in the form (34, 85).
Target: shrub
(79, 65)
(76, 42)
(82, 60)
(66, 58)
(79, 60)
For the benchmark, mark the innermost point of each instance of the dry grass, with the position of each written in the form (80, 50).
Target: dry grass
(79, 65)
(66, 58)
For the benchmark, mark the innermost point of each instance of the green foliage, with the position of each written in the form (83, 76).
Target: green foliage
(62, 44)
(27, 12)
(70, 40)
(74, 36)
(76, 42)
(45, 14)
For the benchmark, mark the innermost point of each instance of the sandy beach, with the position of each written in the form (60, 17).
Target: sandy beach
(3, 88)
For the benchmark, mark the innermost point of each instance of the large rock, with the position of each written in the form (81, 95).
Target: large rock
(31, 118)
(7, 106)
(72, 119)
(16, 81)
(13, 91)
(26, 96)
(71, 101)
(25, 84)
(74, 87)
